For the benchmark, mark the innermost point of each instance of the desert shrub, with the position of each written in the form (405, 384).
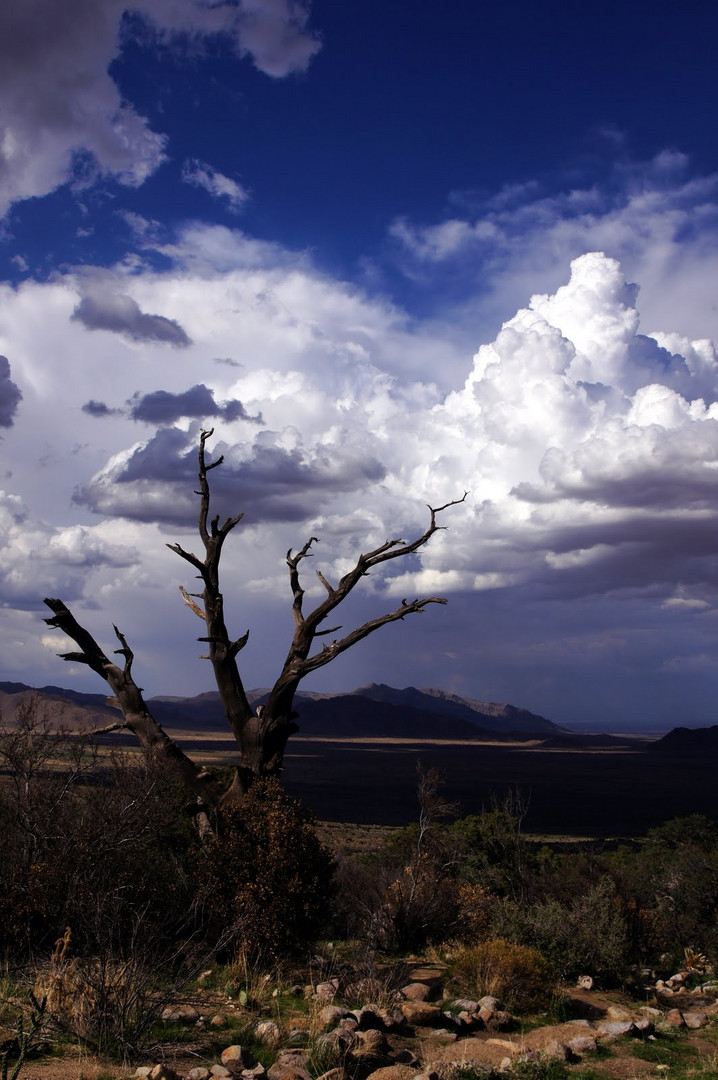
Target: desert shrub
(268, 874)
(406, 895)
(494, 852)
(518, 975)
(87, 843)
(672, 883)
(477, 906)
(589, 935)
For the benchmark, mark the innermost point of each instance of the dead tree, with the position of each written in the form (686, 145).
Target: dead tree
(261, 733)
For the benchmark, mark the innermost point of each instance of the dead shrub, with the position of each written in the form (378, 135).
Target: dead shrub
(522, 979)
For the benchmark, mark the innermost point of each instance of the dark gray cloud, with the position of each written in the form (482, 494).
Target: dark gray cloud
(162, 407)
(10, 394)
(120, 314)
(157, 481)
(98, 409)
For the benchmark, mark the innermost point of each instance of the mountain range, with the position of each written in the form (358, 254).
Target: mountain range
(369, 711)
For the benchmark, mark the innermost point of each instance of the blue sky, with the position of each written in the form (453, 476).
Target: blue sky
(391, 252)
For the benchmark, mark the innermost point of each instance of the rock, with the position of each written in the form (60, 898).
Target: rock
(416, 991)
(331, 1015)
(465, 1005)
(219, 1071)
(393, 1072)
(555, 1049)
(237, 1058)
(643, 1027)
(421, 1014)
(163, 1072)
(390, 1018)
(370, 1044)
(650, 1012)
(298, 1037)
(333, 1074)
(339, 1042)
(180, 1014)
(287, 1072)
(267, 1032)
(471, 1020)
(617, 1012)
(326, 991)
(143, 1071)
(497, 1020)
(694, 1019)
(432, 976)
(289, 1067)
(674, 1019)
(200, 1073)
(614, 1029)
(445, 1035)
(583, 1044)
(219, 1020)
(489, 1002)
(585, 982)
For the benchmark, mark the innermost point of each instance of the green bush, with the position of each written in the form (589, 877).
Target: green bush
(522, 979)
(588, 936)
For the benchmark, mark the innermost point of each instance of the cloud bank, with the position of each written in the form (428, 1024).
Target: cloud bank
(588, 442)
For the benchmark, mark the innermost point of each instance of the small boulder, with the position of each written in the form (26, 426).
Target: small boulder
(466, 1005)
(556, 1050)
(583, 1044)
(199, 1073)
(421, 1014)
(674, 1019)
(498, 1020)
(370, 1044)
(180, 1014)
(163, 1072)
(236, 1058)
(614, 1029)
(617, 1012)
(585, 982)
(694, 1019)
(267, 1032)
(330, 1015)
(416, 991)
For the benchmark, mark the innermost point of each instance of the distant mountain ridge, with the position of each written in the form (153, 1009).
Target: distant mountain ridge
(372, 711)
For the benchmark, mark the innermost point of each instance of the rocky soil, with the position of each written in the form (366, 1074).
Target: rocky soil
(416, 1034)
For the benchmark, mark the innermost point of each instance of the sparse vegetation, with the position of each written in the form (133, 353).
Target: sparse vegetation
(111, 908)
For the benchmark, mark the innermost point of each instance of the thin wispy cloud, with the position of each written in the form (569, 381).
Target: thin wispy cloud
(220, 187)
